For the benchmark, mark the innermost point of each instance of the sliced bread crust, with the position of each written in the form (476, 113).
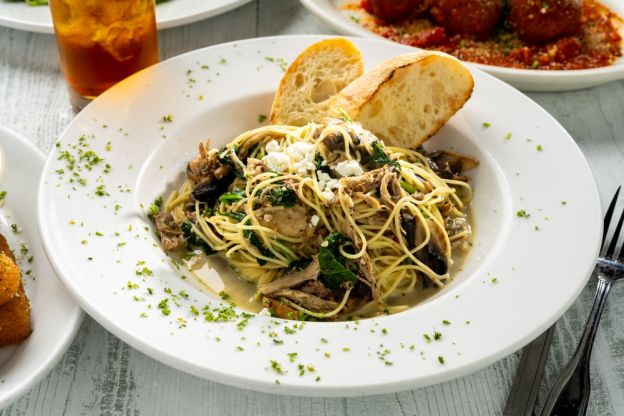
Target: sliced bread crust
(407, 99)
(308, 89)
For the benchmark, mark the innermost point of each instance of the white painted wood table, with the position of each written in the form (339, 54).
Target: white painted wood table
(101, 375)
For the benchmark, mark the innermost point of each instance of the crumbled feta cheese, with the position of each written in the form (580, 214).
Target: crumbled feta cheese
(299, 156)
(328, 195)
(326, 185)
(365, 136)
(277, 161)
(314, 220)
(302, 154)
(272, 146)
(349, 168)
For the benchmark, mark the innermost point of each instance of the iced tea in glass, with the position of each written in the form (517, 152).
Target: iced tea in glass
(102, 42)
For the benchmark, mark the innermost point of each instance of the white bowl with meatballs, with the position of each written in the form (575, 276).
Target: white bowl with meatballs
(533, 45)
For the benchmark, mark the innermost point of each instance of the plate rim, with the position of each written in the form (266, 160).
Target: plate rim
(48, 28)
(321, 390)
(77, 315)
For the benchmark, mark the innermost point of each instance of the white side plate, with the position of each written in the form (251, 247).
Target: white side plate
(19, 15)
(54, 316)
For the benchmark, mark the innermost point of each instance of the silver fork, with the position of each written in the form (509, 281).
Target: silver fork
(569, 396)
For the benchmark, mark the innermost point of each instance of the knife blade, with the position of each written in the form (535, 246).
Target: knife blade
(527, 380)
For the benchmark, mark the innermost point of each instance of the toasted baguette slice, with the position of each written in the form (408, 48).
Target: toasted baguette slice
(313, 79)
(407, 99)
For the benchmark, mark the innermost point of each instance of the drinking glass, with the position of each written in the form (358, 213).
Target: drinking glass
(102, 42)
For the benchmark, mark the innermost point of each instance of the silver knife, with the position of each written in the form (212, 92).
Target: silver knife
(528, 378)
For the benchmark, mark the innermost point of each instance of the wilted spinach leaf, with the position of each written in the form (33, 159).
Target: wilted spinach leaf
(283, 196)
(193, 241)
(380, 158)
(335, 268)
(231, 197)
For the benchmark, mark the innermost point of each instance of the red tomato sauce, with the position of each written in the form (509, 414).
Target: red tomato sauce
(597, 44)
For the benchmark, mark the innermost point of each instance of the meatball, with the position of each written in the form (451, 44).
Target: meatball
(468, 17)
(543, 20)
(393, 10)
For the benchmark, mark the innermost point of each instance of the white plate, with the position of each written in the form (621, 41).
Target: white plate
(516, 282)
(55, 317)
(523, 79)
(19, 15)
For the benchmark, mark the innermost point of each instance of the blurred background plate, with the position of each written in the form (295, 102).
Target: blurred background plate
(171, 13)
(331, 12)
(55, 317)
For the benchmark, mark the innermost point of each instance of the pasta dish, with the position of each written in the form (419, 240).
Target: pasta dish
(324, 220)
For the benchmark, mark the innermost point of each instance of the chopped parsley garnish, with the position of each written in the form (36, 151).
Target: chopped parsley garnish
(3, 195)
(154, 207)
(277, 367)
(539, 148)
(261, 118)
(522, 214)
(167, 118)
(486, 125)
(101, 191)
(445, 322)
(163, 305)
(440, 359)
(508, 136)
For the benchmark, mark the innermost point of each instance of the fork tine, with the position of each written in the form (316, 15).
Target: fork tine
(616, 236)
(608, 215)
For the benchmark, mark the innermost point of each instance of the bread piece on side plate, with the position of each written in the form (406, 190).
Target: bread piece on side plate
(407, 99)
(311, 82)
(15, 319)
(14, 314)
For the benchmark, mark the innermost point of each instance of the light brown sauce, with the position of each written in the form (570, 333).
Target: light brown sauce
(241, 292)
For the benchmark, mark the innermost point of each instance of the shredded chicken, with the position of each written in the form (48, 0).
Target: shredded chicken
(365, 267)
(316, 288)
(363, 183)
(390, 189)
(311, 302)
(256, 166)
(206, 166)
(171, 235)
(293, 279)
